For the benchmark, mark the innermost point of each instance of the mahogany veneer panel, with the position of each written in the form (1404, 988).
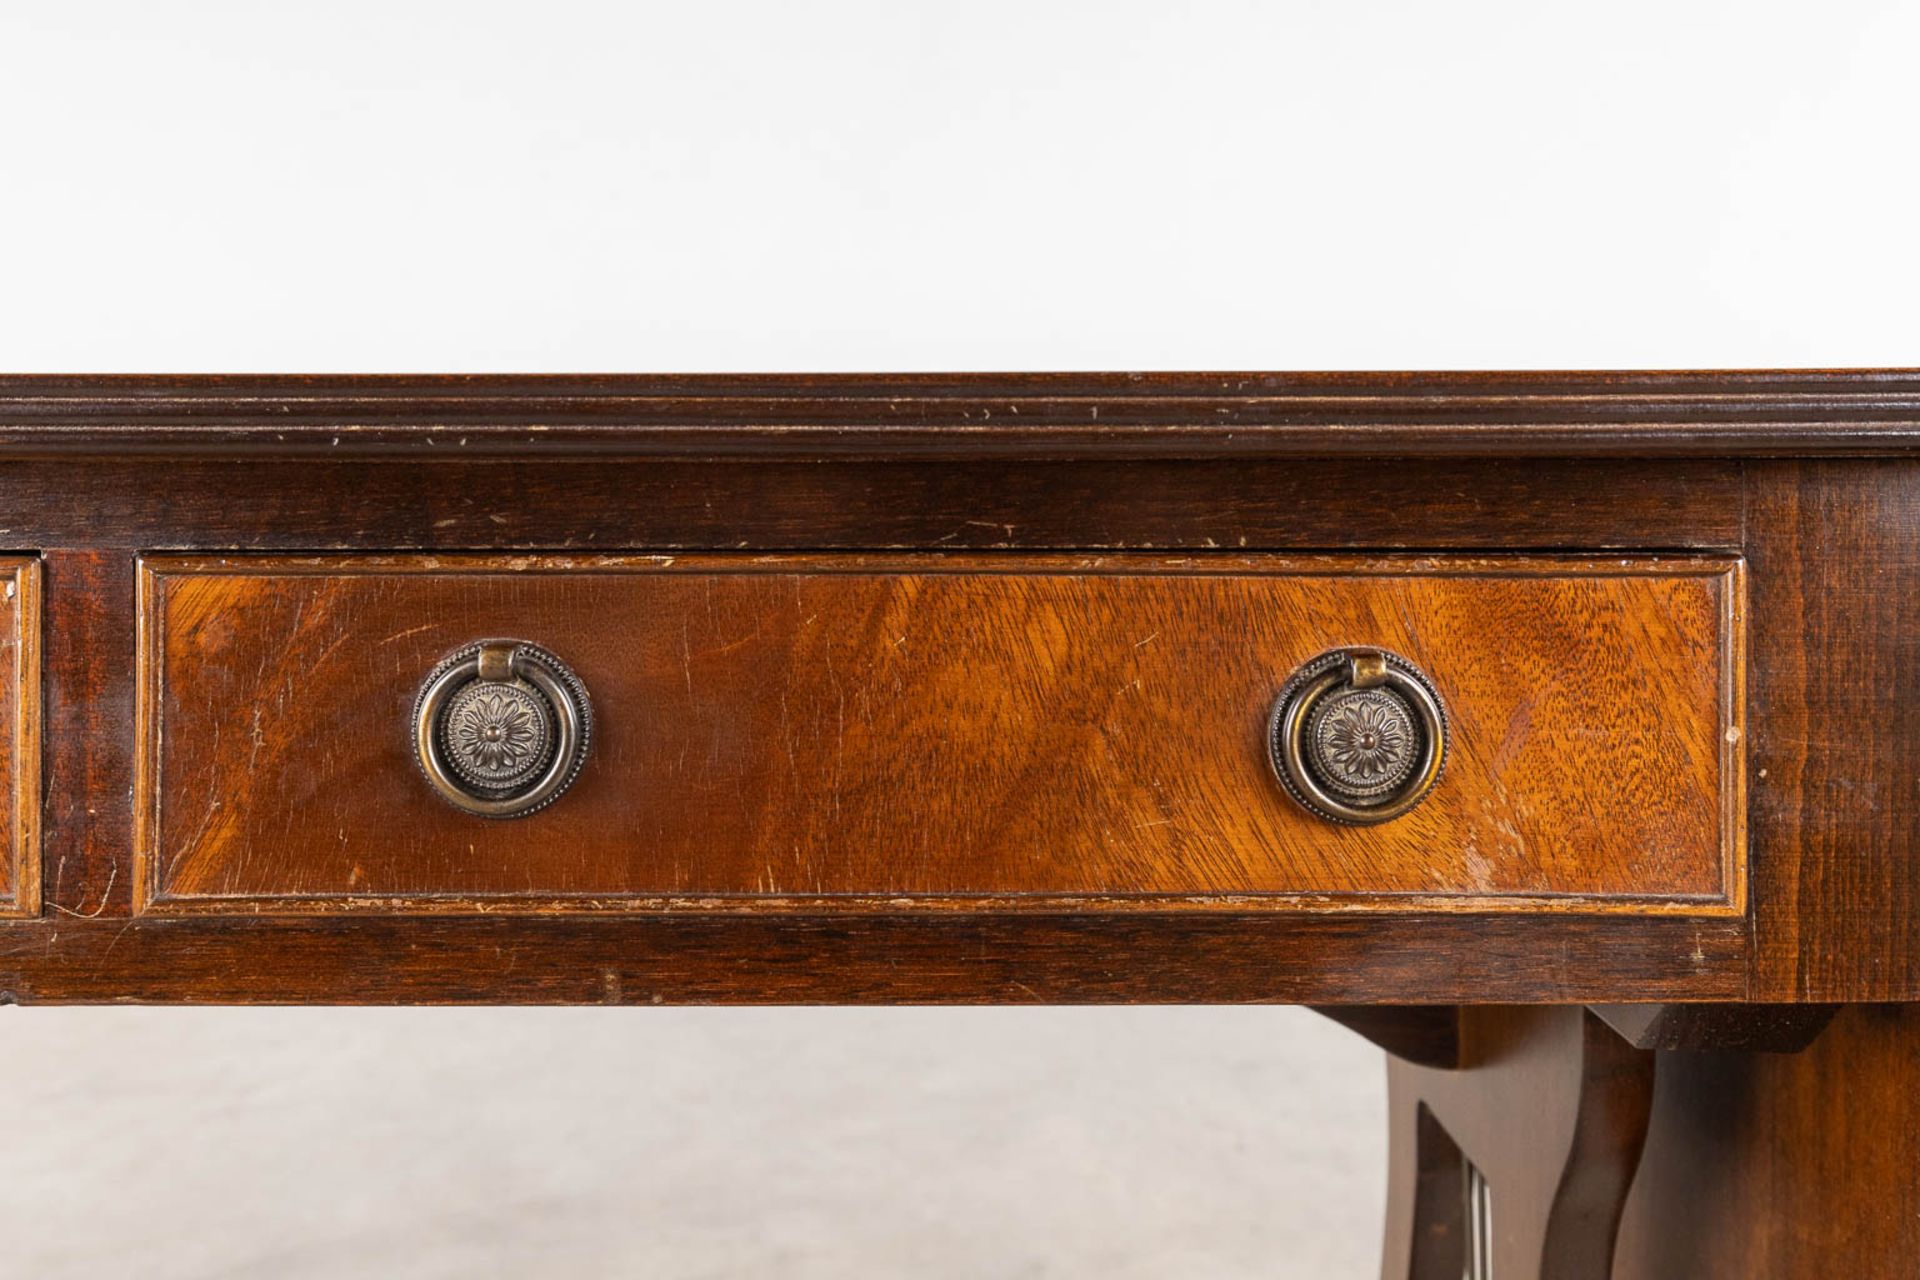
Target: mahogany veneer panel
(895, 733)
(19, 736)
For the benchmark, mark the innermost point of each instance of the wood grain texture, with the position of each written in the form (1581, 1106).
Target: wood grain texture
(889, 733)
(1808, 412)
(20, 733)
(97, 470)
(928, 958)
(1788, 1165)
(617, 504)
(1836, 557)
(93, 513)
(88, 812)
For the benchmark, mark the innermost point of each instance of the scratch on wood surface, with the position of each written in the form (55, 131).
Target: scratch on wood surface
(1478, 869)
(686, 656)
(259, 739)
(410, 631)
(731, 645)
(106, 891)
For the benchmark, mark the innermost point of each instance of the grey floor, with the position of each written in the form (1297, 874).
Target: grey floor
(968, 1143)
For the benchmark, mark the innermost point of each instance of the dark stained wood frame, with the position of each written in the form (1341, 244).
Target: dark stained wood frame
(1798, 413)
(1813, 477)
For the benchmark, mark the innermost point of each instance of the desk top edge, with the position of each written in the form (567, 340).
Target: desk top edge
(1782, 413)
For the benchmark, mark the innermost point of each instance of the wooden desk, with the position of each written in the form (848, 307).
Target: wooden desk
(1038, 688)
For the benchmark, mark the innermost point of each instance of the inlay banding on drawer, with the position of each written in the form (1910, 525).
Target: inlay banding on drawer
(900, 732)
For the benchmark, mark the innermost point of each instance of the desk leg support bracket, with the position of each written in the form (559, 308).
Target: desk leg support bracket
(1515, 1132)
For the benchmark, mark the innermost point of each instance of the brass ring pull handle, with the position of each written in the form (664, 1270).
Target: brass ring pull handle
(1358, 736)
(501, 728)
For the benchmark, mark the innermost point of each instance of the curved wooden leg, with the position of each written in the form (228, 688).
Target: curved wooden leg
(1426, 1198)
(1550, 1107)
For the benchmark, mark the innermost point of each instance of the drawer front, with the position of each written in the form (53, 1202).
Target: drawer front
(19, 736)
(904, 733)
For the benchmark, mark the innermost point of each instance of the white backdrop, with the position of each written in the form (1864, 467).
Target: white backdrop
(762, 186)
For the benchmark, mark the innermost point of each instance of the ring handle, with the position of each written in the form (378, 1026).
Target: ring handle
(501, 728)
(1358, 736)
